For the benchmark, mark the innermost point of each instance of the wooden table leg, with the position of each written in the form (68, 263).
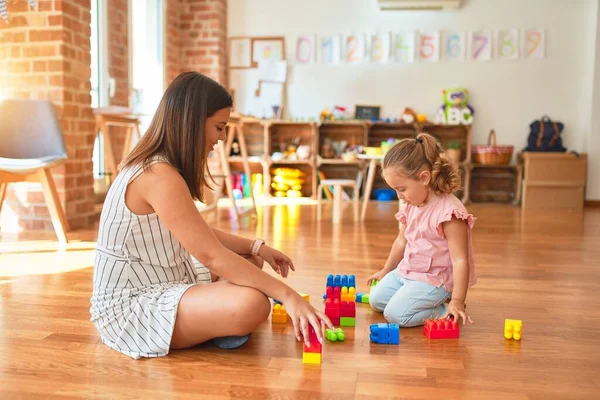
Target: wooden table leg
(368, 188)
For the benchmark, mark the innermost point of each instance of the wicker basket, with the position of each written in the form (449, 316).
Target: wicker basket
(492, 154)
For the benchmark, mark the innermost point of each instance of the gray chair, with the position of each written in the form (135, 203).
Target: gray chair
(31, 143)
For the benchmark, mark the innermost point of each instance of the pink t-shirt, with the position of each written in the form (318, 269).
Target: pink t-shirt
(427, 257)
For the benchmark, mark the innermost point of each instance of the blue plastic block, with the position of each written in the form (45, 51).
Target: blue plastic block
(329, 280)
(324, 296)
(344, 280)
(337, 281)
(359, 297)
(275, 301)
(385, 333)
(352, 281)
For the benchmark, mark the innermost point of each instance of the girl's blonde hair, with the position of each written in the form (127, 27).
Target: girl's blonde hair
(424, 152)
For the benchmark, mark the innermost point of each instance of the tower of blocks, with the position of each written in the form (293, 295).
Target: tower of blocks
(385, 333)
(441, 329)
(342, 281)
(513, 329)
(341, 313)
(279, 315)
(312, 354)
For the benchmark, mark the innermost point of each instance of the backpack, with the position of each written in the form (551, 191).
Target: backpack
(544, 135)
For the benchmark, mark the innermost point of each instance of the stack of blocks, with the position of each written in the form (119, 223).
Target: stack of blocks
(279, 315)
(340, 298)
(312, 354)
(385, 333)
(513, 329)
(441, 329)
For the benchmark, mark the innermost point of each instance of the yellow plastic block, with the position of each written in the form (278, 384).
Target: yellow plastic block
(513, 329)
(279, 314)
(348, 294)
(305, 297)
(311, 358)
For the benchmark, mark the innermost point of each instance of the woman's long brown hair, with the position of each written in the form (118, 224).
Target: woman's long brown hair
(177, 128)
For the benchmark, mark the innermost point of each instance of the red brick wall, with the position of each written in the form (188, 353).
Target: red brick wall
(45, 54)
(202, 38)
(173, 44)
(118, 66)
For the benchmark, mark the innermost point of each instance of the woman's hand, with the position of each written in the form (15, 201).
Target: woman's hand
(377, 275)
(302, 313)
(458, 309)
(277, 260)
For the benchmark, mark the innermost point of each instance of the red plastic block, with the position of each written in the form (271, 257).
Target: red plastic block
(333, 293)
(332, 308)
(441, 329)
(335, 320)
(348, 309)
(315, 345)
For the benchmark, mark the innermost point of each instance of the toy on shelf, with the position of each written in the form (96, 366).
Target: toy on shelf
(441, 329)
(408, 116)
(456, 110)
(341, 113)
(312, 354)
(335, 335)
(385, 333)
(513, 329)
(279, 315)
(326, 115)
(287, 182)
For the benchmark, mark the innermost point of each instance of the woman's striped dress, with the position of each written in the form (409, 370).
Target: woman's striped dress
(140, 273)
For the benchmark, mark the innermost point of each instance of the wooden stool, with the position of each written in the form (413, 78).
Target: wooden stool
(337, 184)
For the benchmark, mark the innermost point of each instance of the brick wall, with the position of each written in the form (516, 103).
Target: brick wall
(45, 54)
(172, 45)
(201, 35)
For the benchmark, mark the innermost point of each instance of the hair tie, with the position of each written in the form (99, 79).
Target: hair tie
(418, 139)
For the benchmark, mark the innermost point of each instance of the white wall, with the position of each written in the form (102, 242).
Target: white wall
(507, 95)
(593, 138)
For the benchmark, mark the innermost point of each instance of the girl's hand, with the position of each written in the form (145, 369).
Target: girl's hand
(277, 260)
(457, 309)
(302, 314)
(377, 275)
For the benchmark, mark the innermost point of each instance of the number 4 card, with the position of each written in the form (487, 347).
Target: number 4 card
(480, 45)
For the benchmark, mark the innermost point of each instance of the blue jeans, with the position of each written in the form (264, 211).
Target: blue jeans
(407, 302)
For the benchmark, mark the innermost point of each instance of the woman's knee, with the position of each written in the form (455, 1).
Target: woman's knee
(376, 300)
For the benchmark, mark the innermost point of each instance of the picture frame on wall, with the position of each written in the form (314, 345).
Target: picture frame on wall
(240, 52)
(267, 49)
(370, 113)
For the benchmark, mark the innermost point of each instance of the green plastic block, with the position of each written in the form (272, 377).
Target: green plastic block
(365, 298)
(336, 335)
(347, 321)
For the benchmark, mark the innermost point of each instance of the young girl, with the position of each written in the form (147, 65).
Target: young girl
(147, 298)
(431, 260)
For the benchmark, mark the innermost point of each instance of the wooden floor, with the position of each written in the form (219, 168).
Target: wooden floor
(542, 269)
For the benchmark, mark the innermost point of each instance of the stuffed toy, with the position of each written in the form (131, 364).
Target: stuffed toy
(456, 110)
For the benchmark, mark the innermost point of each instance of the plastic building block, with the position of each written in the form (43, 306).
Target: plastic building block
(385, 333)
(374, 283)
(344, 281)
(305, 296)
(348, 294)
(441, 329)
(347, 321)
(329, 280)
(352, 281)
(359, 296)
(513, 329)
(311, 358)
(312, 354)
(332, 310)
(279, 315)
(341, 280)
(335, 335)
(337, 280)
(275, 301)
(365, 298)
(333, 292)
(348, 309)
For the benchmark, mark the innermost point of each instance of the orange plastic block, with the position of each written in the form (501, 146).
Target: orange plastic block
(279, 314)
(513, 329)
(441, 329)
(305, 297)
(348, 294)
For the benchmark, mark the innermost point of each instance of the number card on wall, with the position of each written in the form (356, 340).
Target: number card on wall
(429, 47)
(454, 46)
(355, 49)
(305, 50)
(404, 47)
(481, 45)
(330, 51)
(507, 44)
(380, 48)
(534, 43)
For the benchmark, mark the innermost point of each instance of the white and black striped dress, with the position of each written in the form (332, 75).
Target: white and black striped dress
(140, 273)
